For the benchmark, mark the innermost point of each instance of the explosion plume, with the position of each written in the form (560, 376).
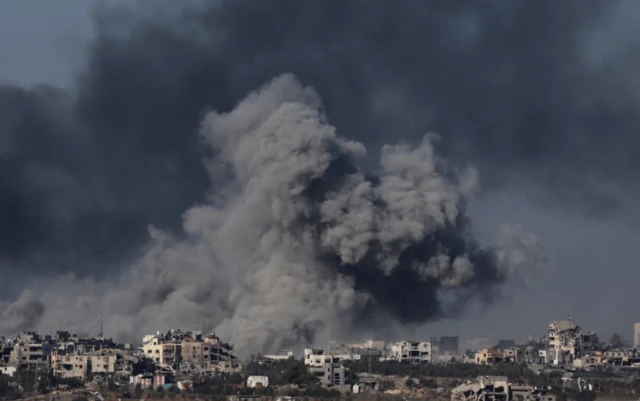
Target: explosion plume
(301, 242)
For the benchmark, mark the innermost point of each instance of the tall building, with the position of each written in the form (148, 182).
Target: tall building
(636, 335)
(567, 341)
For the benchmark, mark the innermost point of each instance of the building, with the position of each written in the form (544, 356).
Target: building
(70, 366)
(189, 352)
(257, 381)
(411, 351)
(332, 375)
(67, 355)
(532, 355)
(366, 386)
(327, 367)
(567, 341)
(280, 356)
(488, 356)
(636, 335)
(498, 388)
(511, 355)
(147, 381)
(101, 364)
(315, 357)
(82, 366)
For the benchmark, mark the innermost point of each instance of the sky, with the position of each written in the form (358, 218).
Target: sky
(592, 273)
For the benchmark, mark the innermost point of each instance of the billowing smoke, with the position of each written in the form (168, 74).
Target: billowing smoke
(541, 95)
(301, 243)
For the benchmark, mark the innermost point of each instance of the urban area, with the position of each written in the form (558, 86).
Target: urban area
(568, 363)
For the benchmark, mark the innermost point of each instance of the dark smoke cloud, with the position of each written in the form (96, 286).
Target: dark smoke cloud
(514, 88)
(302, 244)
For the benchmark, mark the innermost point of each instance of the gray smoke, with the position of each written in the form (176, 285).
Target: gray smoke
(302, 243)
(542, 95)
(514, 89)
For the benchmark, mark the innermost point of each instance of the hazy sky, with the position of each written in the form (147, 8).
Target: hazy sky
(593, 272)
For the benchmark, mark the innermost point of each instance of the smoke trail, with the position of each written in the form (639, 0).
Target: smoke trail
(302, 243)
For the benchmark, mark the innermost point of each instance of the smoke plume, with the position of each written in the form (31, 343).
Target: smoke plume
(302, 243)
(542, 95)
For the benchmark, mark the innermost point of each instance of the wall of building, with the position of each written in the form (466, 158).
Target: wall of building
(99, 364)
(411, 351)
(70, 366)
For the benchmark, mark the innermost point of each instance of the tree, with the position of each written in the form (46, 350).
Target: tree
(617, 341)
(428, 383)
(6, 390)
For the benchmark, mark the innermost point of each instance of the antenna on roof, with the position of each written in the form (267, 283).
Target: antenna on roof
(101, 335)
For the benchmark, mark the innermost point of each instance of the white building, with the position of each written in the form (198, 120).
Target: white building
(257, 381)
(152, 348)
(636, 335)
(411, 351)
(314, 357)
(280, 356)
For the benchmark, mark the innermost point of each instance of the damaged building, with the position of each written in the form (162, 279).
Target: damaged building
(27, 350)
(411, 351)
(84, 358)
(568, 342)
(186, 352)
(328, 367)
(67, 355)
(498, 388)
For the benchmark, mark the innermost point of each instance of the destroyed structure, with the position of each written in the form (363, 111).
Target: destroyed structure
(176, 357)
(411, 351)
(186, 352)
(158, 361)
(498, 388)
(69, 356)
(328, 368)
(568, 342)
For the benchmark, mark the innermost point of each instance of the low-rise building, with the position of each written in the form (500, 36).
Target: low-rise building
(498, 388)
(147, 381)
(366, 386)
(411, 351)
(70, 366)
(316, 357)
(189, 352)
(280, 356)
(332, 375)
(488, 356)
(257, 381)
